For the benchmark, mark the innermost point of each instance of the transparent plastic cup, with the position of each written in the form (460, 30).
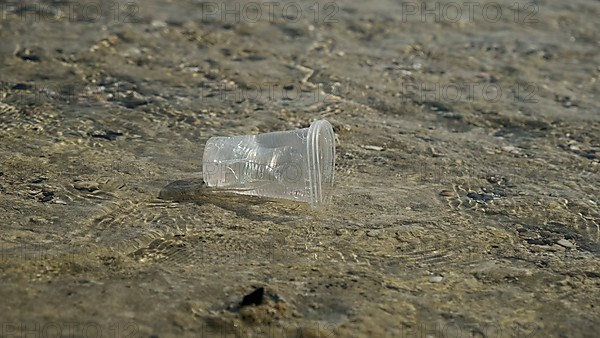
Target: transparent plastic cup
(294, 165)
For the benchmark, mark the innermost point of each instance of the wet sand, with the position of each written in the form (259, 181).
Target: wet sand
(467, 169)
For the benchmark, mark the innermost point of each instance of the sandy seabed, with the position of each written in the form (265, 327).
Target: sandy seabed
(467, 169)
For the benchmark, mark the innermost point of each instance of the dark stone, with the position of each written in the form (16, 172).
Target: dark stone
(500, 180)
(254, 298)
(438, 107)
(540, 241)
(592, 274)
(182, 190)
(480, 197)
(452, 116)
(499, 193)
(536, 241)
(134, 101)
(501, 133)
(108, 135)
(492, 193)
(47, 196)
(28, 55)
(20, 86)
(38, 180)
(256, 58)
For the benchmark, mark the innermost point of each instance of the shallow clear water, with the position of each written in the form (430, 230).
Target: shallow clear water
(467, 149)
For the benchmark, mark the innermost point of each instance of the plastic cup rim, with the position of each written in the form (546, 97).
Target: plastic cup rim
(317, 129)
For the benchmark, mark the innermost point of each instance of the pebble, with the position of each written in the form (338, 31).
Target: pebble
(555, 248)
(448, 193)
(86, 185)
(39, 220)
(373, 233)
(358, 233)
(107, 135)
(565, 243)
(29, 54)
(341, 232)
(436, 279)
(434, 153)
(376, 148)
(511, 149)
(158, 24)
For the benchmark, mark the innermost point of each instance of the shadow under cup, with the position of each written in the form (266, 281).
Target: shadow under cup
(296, 165)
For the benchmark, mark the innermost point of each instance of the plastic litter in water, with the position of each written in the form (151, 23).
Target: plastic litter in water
(296, 165)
